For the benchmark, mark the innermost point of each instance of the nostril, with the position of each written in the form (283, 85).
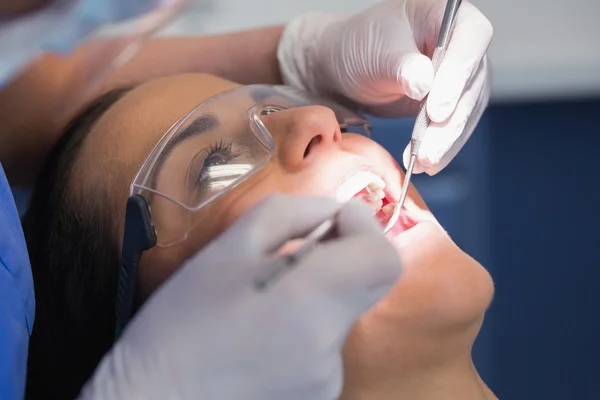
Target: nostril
(314, 141)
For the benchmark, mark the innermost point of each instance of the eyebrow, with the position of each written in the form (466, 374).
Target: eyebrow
(202, 124)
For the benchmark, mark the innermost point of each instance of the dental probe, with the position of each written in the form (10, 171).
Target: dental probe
(287, 261)
(422, 122)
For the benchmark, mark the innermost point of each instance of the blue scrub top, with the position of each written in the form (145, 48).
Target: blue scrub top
(17, 304)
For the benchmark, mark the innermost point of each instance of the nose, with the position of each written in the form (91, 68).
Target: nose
(302, 133)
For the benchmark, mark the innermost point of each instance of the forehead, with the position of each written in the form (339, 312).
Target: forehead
(122, 138)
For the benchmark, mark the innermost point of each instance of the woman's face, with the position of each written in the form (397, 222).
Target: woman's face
(443, 293)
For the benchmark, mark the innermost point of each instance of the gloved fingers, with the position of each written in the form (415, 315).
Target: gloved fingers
(415, 74)
(468, 129)
(412, 70)
(418, 168)
(356, 218)
(276, 220)
(354, 271)
(440, 137)
(328, 375)
(442, 141)
(467, 48)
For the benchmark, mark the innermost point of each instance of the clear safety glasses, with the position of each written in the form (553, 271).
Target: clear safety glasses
(213, 149)
(209, 151)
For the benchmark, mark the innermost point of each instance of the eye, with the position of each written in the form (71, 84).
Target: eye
(218, 154)
(214, 160)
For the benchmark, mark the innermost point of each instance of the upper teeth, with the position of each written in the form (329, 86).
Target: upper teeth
(358, 182)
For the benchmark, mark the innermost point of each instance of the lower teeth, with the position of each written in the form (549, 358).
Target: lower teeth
(388, 209)
(384, 215)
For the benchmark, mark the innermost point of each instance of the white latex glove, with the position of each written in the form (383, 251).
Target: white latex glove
(208, 334)
(380, 59)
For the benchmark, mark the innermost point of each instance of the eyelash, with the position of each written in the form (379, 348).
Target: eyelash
(218, 147)
(221, 148)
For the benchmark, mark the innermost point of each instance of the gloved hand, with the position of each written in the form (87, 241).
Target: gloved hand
(380, 59)
(208, 333)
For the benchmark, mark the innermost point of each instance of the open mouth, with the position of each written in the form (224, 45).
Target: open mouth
(370, 188)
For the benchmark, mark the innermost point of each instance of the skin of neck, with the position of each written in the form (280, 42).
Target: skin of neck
(429, 367)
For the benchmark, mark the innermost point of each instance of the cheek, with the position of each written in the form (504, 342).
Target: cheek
(159, 263)
(271, 180)
(238, 201)
(156, 265)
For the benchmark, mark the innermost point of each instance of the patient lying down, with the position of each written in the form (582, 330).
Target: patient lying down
(415, 344)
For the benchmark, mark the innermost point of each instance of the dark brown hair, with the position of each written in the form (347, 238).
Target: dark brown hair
(74, 259)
